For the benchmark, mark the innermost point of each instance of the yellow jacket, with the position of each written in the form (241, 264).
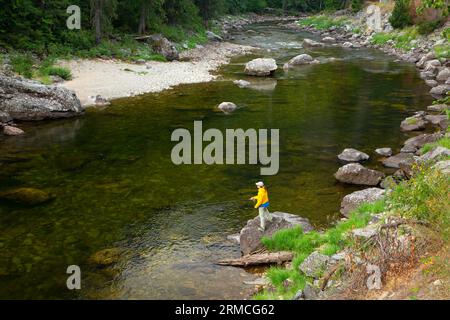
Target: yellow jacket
(261, 198)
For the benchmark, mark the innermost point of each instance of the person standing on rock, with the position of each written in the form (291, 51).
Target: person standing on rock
(262, 204)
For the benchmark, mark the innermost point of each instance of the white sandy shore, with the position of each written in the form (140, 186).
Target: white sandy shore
(114, 79)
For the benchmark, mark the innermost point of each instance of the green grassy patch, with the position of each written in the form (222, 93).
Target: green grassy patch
(402, 39)
(444, 142)
(22, 64)
(322, 22)
(442, 51)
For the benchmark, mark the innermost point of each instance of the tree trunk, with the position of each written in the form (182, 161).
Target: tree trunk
(142, 29)
(98, 20)
(258, 259)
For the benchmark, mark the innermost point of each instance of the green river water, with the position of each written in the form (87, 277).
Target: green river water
(114, 184)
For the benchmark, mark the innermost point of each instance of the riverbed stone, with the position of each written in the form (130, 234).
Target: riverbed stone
(435, 154)
(26, 196)
(421, 63)
(443, 166)
(329, 40)
(440, 121)
(431, 83)
(394, 161)
(354, 173)
(438, 108)
(241, 83)
(353, 200)
(310, 292)
(314, 265)
(250, 235)
(227, 107)
(261, 67)
(302, 59)
(12, 131)
(440, 90)
(443, 75)
(353, 155)
(29, 100)
(414, 144)
(385, 152)
(311, 43)
(414, 123)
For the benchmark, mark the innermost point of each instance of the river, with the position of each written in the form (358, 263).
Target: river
(115, 186)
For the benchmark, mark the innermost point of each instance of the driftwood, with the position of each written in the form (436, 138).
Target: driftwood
(258, 259)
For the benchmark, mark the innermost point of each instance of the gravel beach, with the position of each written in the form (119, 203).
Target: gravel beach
(114, 79)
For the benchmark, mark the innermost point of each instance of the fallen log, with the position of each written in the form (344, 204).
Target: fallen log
(258, 259)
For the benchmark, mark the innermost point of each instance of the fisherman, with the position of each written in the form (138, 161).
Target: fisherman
(262, 204)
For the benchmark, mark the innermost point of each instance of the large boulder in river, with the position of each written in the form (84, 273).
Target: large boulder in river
(29, 100)
(355, 199)
(164, 47)
(261, 67)
(353, 155)
(250, 236)
(299, 60)
(26, 196)
(354, 173)
(440, 121)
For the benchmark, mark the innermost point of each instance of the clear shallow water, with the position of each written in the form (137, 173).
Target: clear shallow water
(115, 185)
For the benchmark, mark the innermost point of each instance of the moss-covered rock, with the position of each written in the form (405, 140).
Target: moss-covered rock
(106, 257)
(27, 196)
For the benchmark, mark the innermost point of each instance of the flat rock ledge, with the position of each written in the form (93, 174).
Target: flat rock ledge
(28, 100)
(250, 236)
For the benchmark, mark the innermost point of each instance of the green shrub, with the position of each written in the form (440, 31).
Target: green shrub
(427, 27)
(400, 17)
(357, 5)
(22, 64)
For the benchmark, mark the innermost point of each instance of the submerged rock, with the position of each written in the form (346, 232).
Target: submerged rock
(250, 236)
(227, 107)
(27, 196)
(106, 257)
(355, 173)
(29, 100)
(242, 83)
(353, 155)
(355, 199)
(261, 67)
(12, 131)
